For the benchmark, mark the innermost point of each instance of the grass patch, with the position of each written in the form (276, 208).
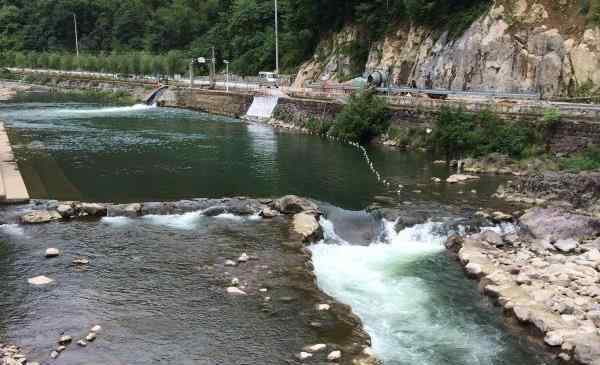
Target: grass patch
(588, 159)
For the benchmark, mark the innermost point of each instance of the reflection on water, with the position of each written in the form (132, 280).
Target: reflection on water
(75, 151)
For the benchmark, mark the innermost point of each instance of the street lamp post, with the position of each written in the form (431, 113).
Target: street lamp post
(226, 62)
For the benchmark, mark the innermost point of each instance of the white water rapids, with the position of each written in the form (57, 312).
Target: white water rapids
(106, 110)
(414, 311)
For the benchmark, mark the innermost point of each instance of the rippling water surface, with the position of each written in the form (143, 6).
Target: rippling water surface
(75, 151)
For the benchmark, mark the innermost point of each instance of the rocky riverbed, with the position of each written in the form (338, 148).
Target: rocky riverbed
(545, 270)
(243, 275)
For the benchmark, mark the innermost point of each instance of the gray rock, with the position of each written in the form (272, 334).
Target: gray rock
(307, 226)
(215, 211)
(454, 242)
(126, 210)
(40, 280)
(40, 216)
(268, 213)
(473, 269)
(334, 356)
(566, 245)
(81, 261)
(553, 339)
(52, 252)
(559, 224)
(292, 204)
(235, 291)
(594, 316)
(90, 337)
(64, 340)
(499, 217)
(492, 238)
(94, 209)
(66, 210)
(587, 350)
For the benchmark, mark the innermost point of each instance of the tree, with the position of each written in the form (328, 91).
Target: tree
(364, 117)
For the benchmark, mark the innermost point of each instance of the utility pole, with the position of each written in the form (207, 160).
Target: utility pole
(226, 62)
(213, 69)
(192, 73)
(76, 39)
(276, 40)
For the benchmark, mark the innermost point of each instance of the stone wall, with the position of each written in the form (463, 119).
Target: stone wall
(209, 101)
(578, 128)
(139, 90)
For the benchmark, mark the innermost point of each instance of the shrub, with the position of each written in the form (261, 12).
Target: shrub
(318, 126)
(458, 133)
(589, 159)
(409, 138)
(363, 118)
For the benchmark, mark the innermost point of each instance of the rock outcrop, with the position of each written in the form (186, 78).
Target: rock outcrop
(540, 46)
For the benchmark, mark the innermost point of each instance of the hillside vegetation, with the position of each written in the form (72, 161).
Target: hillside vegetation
(127, 35)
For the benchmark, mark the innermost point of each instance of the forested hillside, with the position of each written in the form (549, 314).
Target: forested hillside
(160, 36)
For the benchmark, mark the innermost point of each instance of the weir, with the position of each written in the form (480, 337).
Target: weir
(12, 186)
(262, 107)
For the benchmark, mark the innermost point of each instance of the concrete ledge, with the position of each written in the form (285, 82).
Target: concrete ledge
(12, 186)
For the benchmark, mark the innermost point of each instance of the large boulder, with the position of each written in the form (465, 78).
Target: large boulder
(292, 204)
(307, 226)
(94, 209)
(40, 216)
(587, 350)
(555, 223)
(125, 210)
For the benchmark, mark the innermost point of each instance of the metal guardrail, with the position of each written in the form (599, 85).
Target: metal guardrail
(347, 89)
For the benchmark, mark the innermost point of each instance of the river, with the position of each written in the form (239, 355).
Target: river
(155, 283)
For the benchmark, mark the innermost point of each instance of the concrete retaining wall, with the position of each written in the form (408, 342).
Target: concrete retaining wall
(209, 101)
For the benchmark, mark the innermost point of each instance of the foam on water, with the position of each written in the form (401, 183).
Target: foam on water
(229, 216)
(101, 111)
(117, 221)
(12, 230)
(329, 231)
(397, 306)
(186, 221)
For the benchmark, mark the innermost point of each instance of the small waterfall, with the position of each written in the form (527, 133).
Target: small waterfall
(262, 107)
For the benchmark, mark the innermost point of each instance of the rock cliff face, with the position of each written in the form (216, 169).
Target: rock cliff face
(517, 46)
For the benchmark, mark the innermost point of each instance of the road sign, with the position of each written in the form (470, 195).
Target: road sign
(201, 60)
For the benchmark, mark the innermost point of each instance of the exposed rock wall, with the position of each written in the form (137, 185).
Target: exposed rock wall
(518, 46)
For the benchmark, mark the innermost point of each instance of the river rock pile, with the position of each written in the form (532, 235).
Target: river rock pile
(304, 212)
(546, 274)
(12, 355)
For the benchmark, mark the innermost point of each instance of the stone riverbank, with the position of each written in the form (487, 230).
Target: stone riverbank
(544, 267)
